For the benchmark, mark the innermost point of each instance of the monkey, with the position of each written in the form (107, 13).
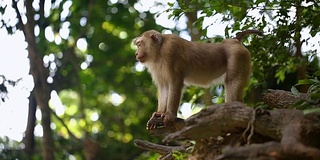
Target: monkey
(174, 62)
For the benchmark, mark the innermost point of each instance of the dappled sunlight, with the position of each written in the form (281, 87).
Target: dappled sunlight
(123, 137)
(10, 14)
(13, 117)
(127, 138)
(36, 30)
(56, 104)
(95, 129)
(84, 65)
(94, 116)
(82, 44)
(123, 35)
(48, 33)
(116, 99)
(88, 59)
(65, 10)
(14, 65)
(57, 39)
(103, 47)
(52, 62)
(38, 130)
(139, 67)
(83, 21)
(110, 28)
(188, 109)
(53, 126)
(38, 114)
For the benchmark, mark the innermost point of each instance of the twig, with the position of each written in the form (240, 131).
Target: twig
(64, 125)
(161, 149)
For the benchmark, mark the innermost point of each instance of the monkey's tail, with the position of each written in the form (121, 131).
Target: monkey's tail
(241, 35)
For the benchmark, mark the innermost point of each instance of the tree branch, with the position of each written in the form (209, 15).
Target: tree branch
(220, 126)
(65, 126)
(163, 150)
(282, 99)
(271, 151)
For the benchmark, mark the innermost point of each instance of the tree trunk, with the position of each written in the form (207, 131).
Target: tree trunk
(28, 139)
(42, 96)
(40, 73)
(302, 70)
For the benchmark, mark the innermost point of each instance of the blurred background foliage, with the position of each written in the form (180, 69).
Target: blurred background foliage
(106, 97)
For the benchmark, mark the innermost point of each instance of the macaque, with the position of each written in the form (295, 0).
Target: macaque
(173, 62)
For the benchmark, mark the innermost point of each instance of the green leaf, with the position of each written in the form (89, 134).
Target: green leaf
(297, 104)
(264, 22)
(315, 95)
(280, 75)
(170, 4)
(307, 111)
(295, 91)
(3, 9)
(316, 74)
(226, 31)
(314, 80)
(305, 81)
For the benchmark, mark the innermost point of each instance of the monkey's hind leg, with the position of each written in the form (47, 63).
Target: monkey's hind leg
(237, 74)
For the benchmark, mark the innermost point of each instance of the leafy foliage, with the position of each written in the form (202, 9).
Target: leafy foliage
(4, 83)
(275, 58)
(179, 156)
(90, 58)
(313, 91)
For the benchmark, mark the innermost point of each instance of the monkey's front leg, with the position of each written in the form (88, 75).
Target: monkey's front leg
(168, 100)
(173, 101)
(156, 119)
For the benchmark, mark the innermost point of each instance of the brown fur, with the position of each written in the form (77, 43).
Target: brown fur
(173, 62)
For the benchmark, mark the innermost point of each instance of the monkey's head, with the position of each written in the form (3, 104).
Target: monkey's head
(148, 44)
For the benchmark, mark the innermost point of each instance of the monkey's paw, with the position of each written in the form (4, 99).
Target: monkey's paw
(159, 120)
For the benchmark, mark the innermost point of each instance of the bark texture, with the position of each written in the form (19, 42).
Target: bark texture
(234, 131)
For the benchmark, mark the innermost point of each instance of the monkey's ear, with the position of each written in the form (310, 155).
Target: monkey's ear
(156, 38)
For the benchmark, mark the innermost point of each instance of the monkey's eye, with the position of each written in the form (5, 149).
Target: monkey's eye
(138, 43)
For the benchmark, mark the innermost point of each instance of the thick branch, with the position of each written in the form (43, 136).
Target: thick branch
(234, 117)
(296, 134)
(282, 99)
(271, 151)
